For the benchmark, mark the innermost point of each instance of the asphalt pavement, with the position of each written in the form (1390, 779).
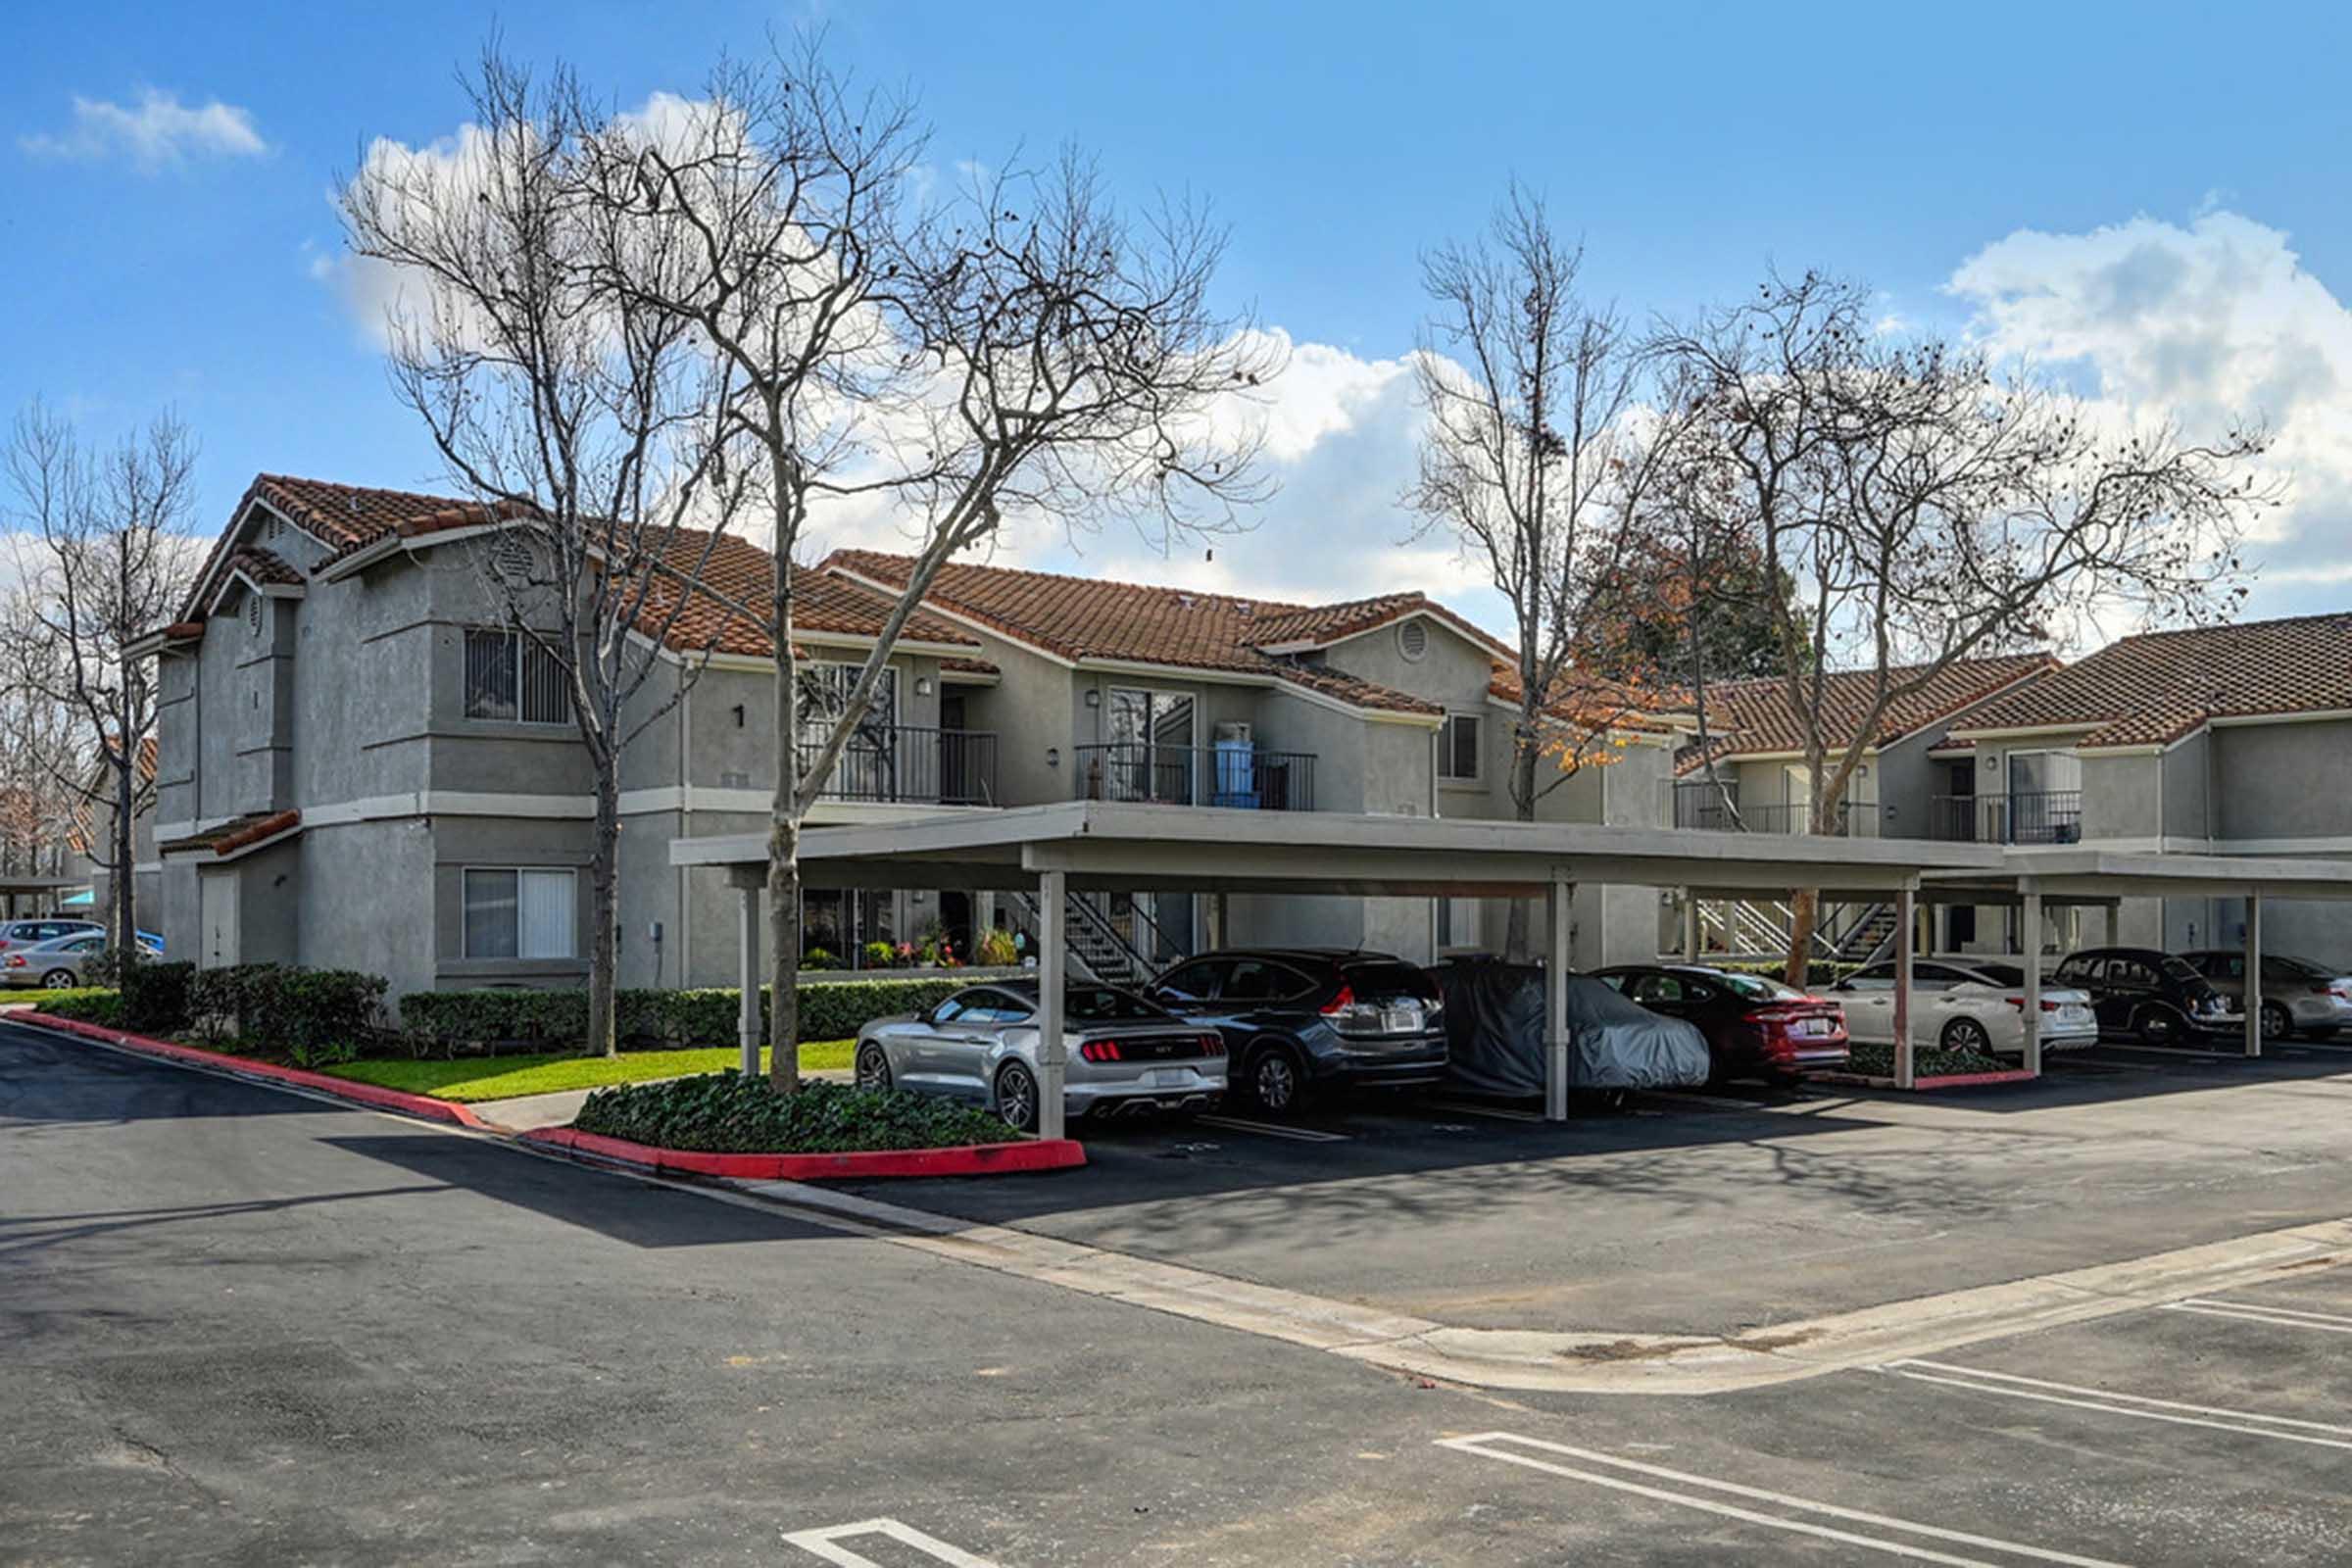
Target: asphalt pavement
(241, 1325)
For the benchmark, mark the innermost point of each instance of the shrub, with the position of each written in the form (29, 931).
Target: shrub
(995, 948)
(463, 1023)
(155, 996)
(311, 1016)
(880, 955)
(724, 1113)
(818, 958)
(85, 1004)
(1929, 1061)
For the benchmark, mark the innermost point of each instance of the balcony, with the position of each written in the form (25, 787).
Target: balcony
(2045, 817)
(1713, 809)
(909, 764)
(1235, 776)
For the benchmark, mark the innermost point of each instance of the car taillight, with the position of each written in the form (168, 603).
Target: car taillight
(1341, 1002)
(16, 960)
(2324, 989)
(1212, 1045)
(2019, 1002)
(1100, 1051)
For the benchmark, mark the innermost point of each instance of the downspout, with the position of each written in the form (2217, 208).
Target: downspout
(685, 921)
(1436, 739)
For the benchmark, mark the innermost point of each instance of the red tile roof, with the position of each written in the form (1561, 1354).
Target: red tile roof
(238, 833)
(1083, 617)
(1753, 717)
(2157, 687)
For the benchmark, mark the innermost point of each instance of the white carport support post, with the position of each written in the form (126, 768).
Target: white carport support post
(1052, 916)
(1906, 1072)
(747, 969)
(2253, 1003)
(2029, 1015)
(1690, 926)
(1555, 1002)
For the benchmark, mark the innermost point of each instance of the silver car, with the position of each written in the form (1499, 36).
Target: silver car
(1124, 1056)
(2298, 996)
(53, 964)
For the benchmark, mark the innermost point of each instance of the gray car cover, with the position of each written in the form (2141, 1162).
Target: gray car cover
(1495, 1034)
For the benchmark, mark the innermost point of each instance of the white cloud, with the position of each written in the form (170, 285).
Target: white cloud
(2210, 324)
(157, 132)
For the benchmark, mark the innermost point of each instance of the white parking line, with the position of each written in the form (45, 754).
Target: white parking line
(1303, 1134)
(825, 1544)
(1455, 1108)
(2285, 1317)
(1484, 1445)
(2248, 1422)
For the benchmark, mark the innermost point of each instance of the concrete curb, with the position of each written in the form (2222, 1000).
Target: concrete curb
(264, 1072)
(967, 1159)
(1950, 1080)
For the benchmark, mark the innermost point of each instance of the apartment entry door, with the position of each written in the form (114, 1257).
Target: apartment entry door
(1151, 749)
(217, 918)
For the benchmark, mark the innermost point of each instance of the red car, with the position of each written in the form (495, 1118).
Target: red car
(1755, 1028)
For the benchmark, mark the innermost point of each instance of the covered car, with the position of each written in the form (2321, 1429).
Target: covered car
(1495, 1034)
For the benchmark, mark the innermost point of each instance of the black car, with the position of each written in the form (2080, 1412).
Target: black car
(2157, 995)
(1300, 1020)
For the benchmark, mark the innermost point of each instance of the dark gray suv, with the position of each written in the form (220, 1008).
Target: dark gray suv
(1299, 1020)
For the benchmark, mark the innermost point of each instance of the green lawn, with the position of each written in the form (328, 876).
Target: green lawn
(505, 1077)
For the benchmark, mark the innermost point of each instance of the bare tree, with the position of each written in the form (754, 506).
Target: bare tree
(107, 559)
(580, 416)
(45, 767)
(1923, 505)
(1022, 350)
(1534, 461)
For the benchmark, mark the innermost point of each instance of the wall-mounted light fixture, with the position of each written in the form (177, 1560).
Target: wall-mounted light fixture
(1992, 765)
(1053, 756)
(1094, 697)
(922, 685)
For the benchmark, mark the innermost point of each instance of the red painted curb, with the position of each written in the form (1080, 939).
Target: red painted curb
(372, 1095)
(969, 1159)
(1953, 1080)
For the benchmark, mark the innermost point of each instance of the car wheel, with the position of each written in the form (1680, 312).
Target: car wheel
(1274, 1082)
(1966, 1034)
(58, 980)
(2159, 1025)
(1016, 1096)
(2276, 1022)
(873, 1068)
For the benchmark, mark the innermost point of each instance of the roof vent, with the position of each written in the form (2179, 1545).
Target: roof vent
(253, 611)
(1184, 600)
(1412, 638)
(510, 558)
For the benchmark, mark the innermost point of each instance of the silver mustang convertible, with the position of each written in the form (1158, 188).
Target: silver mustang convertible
(1124, 1056)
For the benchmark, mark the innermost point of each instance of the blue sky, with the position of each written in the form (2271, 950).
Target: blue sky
(2150, 195)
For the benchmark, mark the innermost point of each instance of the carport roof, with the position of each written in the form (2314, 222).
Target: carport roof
(1122, 847)
(2083, 871)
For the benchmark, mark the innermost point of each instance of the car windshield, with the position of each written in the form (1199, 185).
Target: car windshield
(1106, 1005)
(1755, 988)
(1384, 980)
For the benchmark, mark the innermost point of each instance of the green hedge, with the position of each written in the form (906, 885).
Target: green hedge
(458, 1022)
(88, 1004)
(725, 1113)
(311, 1016)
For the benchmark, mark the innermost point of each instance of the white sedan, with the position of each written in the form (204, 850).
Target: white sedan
(1964, 1007)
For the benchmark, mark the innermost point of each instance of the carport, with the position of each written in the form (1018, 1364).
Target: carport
(1094, 846)
(2084, 876)
(37, 888)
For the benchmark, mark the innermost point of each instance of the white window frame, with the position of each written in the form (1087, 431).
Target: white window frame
(571, 926)
(522, 648)
(1477, 752)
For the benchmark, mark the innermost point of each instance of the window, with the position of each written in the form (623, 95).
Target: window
(508, 677)
(1193, 982)
(519, 915)
(1458, 747)
(1457, 922)
(1253, 980)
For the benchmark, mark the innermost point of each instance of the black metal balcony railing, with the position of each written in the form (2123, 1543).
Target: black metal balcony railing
(1196, 775)
(2040, 816)
(1716, 810)
(911, 765)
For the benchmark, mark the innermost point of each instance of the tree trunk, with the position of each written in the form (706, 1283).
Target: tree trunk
(1518, 945)
(1804, 913)
(126, 913)
(603, 937)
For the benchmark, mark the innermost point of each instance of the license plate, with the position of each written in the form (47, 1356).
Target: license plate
(1167, 1077)
(1811, 1027)
(2074, 1012)
(1405, 1020)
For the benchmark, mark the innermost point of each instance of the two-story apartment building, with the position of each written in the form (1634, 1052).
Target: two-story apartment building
(2231, 740)
(1900, 788)
(357, 767)
(1388, 706)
